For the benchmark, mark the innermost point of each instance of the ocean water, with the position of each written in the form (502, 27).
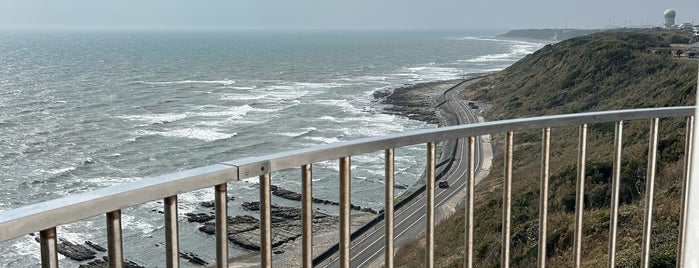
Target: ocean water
(84, 110)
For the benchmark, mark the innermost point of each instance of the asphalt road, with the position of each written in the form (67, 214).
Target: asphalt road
(409, 222)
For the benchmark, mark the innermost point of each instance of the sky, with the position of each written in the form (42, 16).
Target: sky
(274, 15)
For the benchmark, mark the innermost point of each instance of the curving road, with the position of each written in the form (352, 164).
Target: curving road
(409, 221)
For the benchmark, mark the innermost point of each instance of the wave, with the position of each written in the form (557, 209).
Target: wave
(430, 72)
(324, 140)
(151, 119)
(207, 135)
(516, 52)
(302, 132)
(216, 82)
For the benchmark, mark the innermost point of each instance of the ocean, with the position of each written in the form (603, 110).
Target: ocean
(85, 110)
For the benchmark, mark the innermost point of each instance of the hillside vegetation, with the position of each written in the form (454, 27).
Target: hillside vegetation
(603, 71)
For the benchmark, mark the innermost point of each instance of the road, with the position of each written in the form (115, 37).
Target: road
(409, 221)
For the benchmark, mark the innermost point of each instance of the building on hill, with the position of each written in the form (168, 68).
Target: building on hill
(696, 30)
(669, 16)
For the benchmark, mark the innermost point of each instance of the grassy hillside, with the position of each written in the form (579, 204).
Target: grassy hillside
(591, 73)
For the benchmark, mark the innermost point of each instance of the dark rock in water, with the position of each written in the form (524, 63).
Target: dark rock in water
(75, 251)
(209, 228)
(207, 204)
(286, 194)
(199, 217)
(380, 94)
(95, 246)
(104, 263)
(193, 258)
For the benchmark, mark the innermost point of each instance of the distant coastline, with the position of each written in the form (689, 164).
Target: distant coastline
(554, 35)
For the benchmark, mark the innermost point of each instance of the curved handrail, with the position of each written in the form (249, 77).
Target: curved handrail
(40, 216)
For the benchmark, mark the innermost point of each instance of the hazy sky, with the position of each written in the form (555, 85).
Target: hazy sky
(338, 14)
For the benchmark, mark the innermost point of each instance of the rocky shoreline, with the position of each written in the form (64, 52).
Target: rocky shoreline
(416, 102)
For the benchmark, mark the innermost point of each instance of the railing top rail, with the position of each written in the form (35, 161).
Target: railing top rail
(255, 166)
(40, 216)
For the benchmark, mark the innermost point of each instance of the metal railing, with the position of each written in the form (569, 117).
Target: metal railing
(46, 216)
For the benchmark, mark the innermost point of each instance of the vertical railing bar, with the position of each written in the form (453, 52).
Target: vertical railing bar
(49, 248)
(429, 225)
(544, 194)
(650, 188)
(470, 185)
(307, 215)
(690, 258)
(507, 202)
(221, 202)
(388, 210)
(616, 179)
(172, 240)
(689, 140)
(580, 196)
(115, 250)
(345, 199)
(265, 221)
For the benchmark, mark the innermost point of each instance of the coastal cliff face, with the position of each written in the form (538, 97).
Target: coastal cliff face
(603, 71)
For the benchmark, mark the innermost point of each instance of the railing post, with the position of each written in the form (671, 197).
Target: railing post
(221, 200)
(468, 214)
(544, 194)
(690, 257)
(307, 215)
(49, 248)
(429, 232)
(614, 206)
(580, 196)
(689, 140)
(172, 240)
(388, 210)
(650, 189)
(345, 199)
(115, 250)
(507, 202)
(265, 221)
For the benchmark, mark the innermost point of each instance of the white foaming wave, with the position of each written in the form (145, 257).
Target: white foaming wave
(207, 135)
(345, 105)
(518, 49)
(372, 79)
(188, 202)
(328, 118)
(303, 131)
(27, 246)
(478, 38)
(134, 224)
(237, 111)
(242, 97)
(156, 118)
(431, 72)
(225, 82)
(108, 181)
(55, 171)
(324, 140)
(490, 58)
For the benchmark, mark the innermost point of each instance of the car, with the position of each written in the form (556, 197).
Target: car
(443, 184)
